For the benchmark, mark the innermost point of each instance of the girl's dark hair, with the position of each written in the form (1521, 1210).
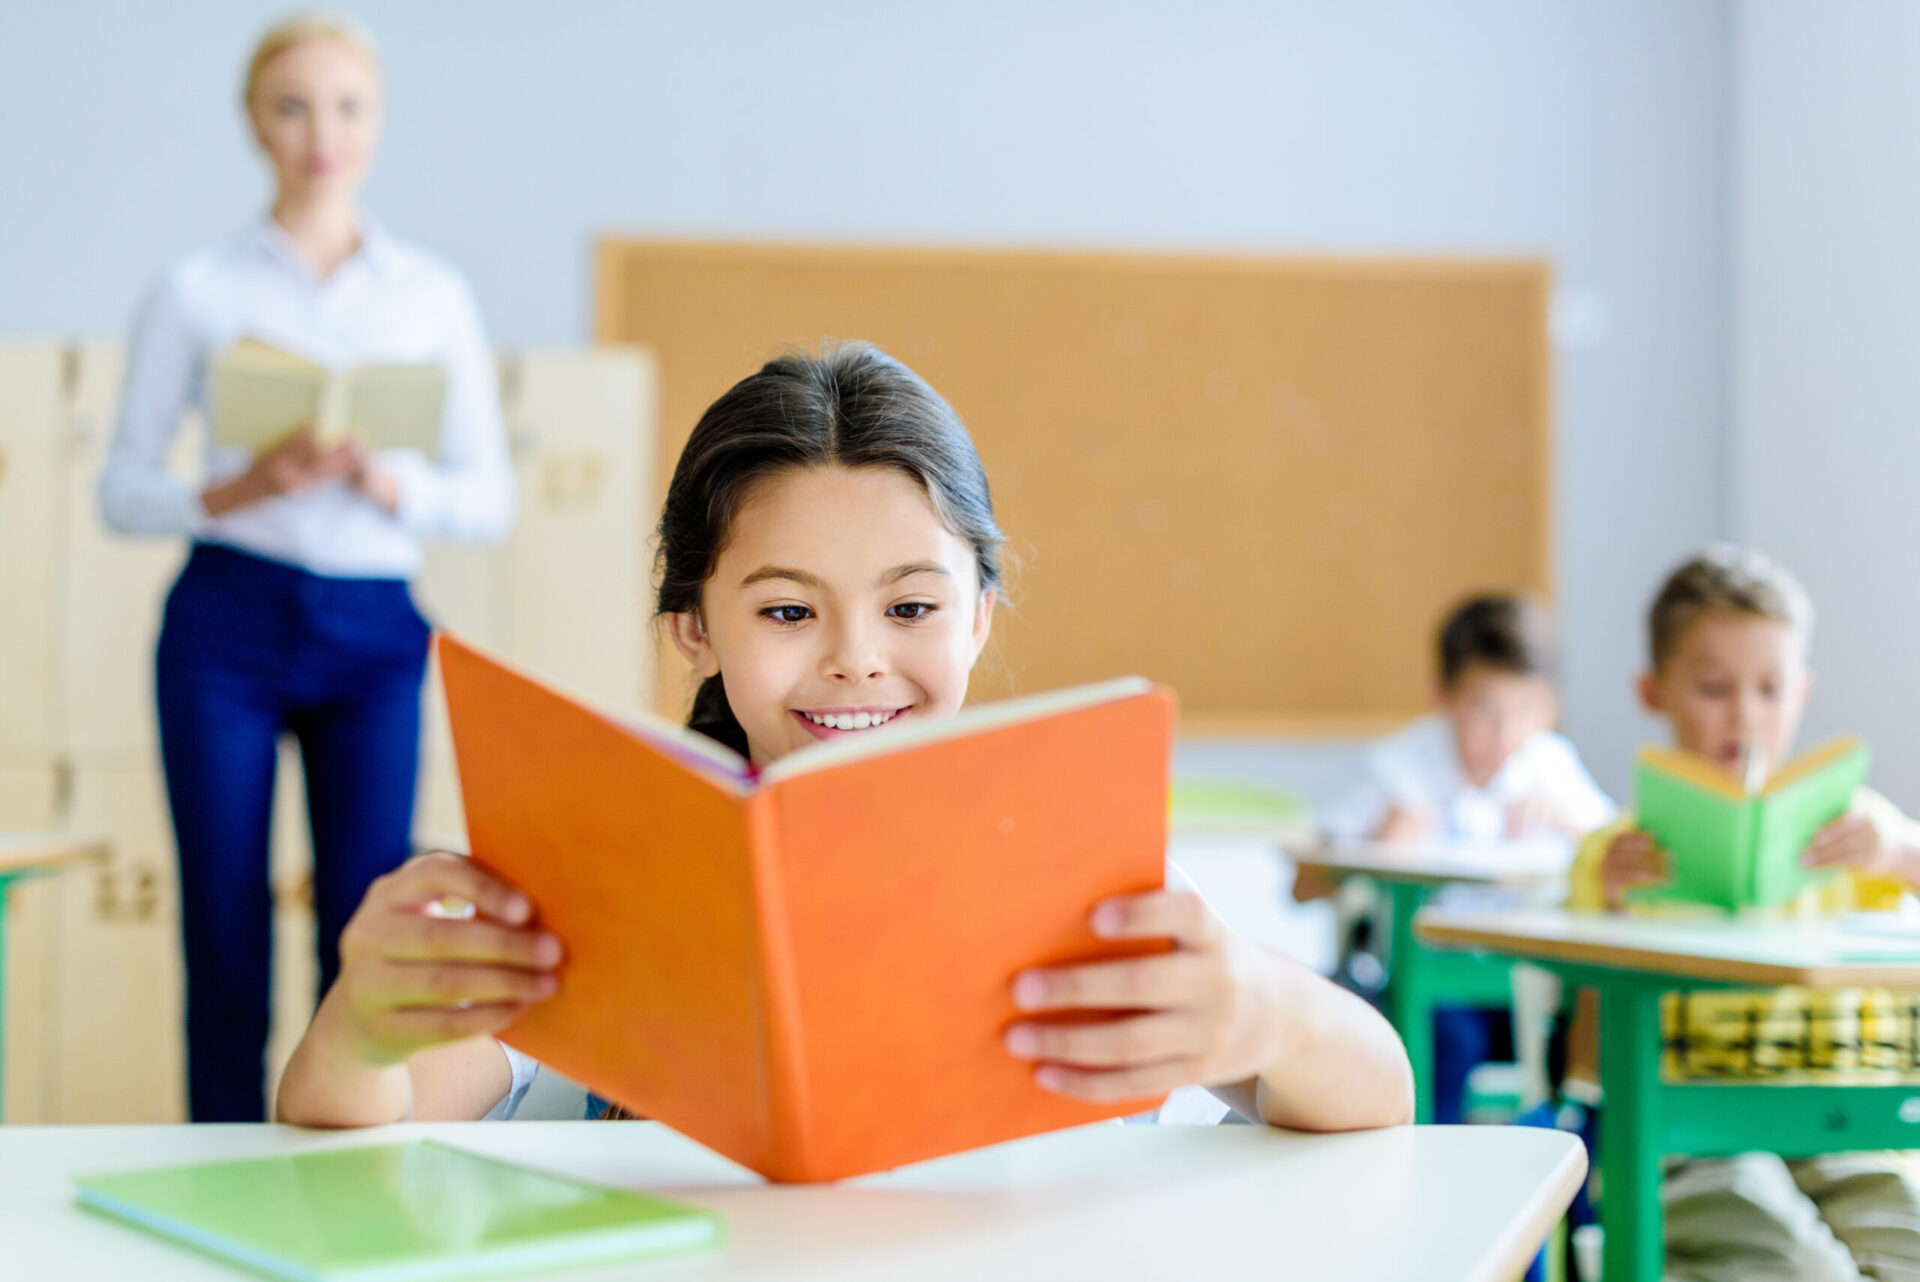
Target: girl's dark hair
(850, 406)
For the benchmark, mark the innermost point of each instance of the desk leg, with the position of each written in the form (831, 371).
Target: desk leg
(1409, 996)
(1630, 1129)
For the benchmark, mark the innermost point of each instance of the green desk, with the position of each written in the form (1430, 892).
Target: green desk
(25, 855)
(1632, 962)
(1421, 978)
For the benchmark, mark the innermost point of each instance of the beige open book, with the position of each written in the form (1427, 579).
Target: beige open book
(260, 393)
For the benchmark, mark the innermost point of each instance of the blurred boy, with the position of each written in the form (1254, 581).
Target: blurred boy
(1486, 766)
(1729, 633)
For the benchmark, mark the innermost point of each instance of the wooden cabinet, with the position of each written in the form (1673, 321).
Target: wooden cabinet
(31, 798)
(32, 375)
(94, 964)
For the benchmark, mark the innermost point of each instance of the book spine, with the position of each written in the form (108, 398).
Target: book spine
(330, 420)
(790, 1141)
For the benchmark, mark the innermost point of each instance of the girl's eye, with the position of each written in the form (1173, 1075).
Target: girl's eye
(1714, 691)
(291, 107)
(787, 613)
(912, 610)
(349, 107)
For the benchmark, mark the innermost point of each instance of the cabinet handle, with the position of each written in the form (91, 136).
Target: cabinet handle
(146, 894)
(143, 905)
(297, 894)
(573, 481)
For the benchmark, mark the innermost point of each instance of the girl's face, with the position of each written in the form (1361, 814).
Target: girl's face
(316, 112)
(839, 606)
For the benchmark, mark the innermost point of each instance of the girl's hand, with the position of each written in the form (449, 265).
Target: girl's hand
(1854, 841)
(1631, 860)
(412, 977)
(1180, 1018)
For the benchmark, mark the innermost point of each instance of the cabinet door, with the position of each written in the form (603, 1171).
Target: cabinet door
(30, 802)
(31, 377)
(295, 967)
(119, 1035)
(579, 578)
(116, 585)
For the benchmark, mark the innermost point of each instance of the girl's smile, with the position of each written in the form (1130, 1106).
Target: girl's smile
(831, 723)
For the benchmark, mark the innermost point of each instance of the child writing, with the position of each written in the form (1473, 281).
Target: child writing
(1484, 767)
(829, 564)
(1729, 634)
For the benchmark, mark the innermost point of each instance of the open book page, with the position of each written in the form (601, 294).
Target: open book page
(395, 407)
(260, 394)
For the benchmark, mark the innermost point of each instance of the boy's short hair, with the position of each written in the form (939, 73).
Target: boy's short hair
(1505, 633)
(1729, 580)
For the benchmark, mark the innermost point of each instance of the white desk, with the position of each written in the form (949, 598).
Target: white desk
(1104, 1202)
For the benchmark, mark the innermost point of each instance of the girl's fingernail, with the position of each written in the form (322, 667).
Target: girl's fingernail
(1108, 920)
(1053, 1079)
(517, 908)
(1029, 991)
(547, 951)
(1023, 1041)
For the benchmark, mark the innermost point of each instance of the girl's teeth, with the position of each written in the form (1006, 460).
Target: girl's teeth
(851, 720)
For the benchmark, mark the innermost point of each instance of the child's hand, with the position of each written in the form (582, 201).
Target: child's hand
(1631, 860)
(1534, 814)
(1402, 825)
(410, 978)
(1854, 841)
(1189, 1015)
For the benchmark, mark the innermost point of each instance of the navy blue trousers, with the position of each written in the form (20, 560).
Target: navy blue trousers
(252, 649)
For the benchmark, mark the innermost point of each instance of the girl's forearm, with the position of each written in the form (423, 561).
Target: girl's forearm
(1339, 1067)
(326, 1086)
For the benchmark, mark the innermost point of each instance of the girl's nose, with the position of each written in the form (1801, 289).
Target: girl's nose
(855, 655)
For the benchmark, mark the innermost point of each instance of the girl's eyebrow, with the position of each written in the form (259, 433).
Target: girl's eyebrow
(918, 567)
(767, 572)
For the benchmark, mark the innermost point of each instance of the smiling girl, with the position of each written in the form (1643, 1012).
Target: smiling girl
(829, 562)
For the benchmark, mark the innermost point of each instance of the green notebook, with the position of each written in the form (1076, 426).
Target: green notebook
(393, 1212)
(1734, 849)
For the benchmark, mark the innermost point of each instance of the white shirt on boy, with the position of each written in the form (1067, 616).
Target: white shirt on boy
(1418, 769)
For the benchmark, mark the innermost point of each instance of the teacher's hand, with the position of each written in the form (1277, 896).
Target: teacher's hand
(295, 463)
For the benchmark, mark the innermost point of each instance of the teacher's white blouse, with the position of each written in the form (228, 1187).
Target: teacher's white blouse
(389, 302)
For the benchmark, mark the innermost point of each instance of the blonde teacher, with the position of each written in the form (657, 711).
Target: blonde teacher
(293, 615)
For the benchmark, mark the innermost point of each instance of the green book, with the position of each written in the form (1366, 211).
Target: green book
(1737, 849)
(392, 1213)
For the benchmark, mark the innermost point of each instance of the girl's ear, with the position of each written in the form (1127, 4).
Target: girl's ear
(982, 623)
(690, 638)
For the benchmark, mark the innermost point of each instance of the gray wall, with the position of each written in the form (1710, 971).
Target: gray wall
(1595, 133)
(1826, 458)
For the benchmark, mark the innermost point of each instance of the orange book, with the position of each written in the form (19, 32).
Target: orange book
(809, 969)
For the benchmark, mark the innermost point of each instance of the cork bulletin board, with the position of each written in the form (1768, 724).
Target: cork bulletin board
(1258, 479)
